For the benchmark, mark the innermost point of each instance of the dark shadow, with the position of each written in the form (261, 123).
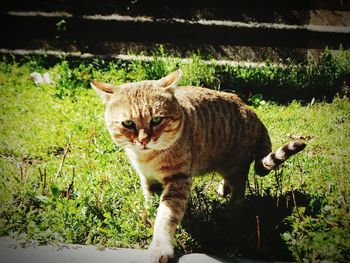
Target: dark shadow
(250, 228)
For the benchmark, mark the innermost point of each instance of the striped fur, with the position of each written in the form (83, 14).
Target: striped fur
(200, 131)
(273, 160)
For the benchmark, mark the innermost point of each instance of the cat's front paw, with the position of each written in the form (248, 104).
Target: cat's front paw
(160, 253)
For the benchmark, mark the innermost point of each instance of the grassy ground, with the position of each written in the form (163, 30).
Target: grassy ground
(63, 180)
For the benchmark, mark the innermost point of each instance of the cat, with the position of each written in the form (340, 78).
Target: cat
(171, 133)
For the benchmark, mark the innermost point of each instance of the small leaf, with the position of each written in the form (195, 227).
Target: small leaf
(54, 190)
(107, 215)
(104, 230)
(257, 97)
(286, 236)
(42, 199)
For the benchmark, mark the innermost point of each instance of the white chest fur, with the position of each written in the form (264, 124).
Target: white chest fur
(146, 168)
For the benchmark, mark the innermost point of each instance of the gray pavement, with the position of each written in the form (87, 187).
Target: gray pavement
(15, 251)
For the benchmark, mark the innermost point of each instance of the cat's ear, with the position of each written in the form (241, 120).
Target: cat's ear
(171, 80)
(104, 90)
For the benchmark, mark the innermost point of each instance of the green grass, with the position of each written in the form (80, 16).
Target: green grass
(302, 210)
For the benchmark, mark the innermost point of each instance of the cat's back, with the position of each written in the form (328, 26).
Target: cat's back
(190, 96)
(211, 106)
(221, 126)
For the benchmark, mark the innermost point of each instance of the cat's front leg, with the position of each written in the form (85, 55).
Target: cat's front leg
(149, 189)
(171, 209)
(145, 188)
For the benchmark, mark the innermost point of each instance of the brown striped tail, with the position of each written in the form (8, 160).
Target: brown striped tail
(275, 159)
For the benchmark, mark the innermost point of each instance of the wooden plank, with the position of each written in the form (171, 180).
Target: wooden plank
(121, 57)
(159, 6)
(20, 26)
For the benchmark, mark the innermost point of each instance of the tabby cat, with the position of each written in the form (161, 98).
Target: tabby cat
(171, 134)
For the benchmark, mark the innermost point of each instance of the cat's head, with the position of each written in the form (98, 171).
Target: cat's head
(143, 115)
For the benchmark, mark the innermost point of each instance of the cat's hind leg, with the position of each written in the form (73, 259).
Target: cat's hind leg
(235, 180)
(149, 189)
(224, 188)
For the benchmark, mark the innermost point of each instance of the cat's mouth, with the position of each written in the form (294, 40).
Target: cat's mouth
(141, 147)
(144, 148)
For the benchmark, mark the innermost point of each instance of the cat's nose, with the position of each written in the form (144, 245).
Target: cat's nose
(144, 143)
(143, 137)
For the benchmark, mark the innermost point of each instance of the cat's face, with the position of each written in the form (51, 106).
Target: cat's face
(143, 116)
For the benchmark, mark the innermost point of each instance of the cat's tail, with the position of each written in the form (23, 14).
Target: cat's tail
(266, 160)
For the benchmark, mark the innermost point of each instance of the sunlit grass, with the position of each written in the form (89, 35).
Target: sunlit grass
(95, 197)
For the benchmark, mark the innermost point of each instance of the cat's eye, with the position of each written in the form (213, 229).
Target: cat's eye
(129, 124)
(156, 121)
